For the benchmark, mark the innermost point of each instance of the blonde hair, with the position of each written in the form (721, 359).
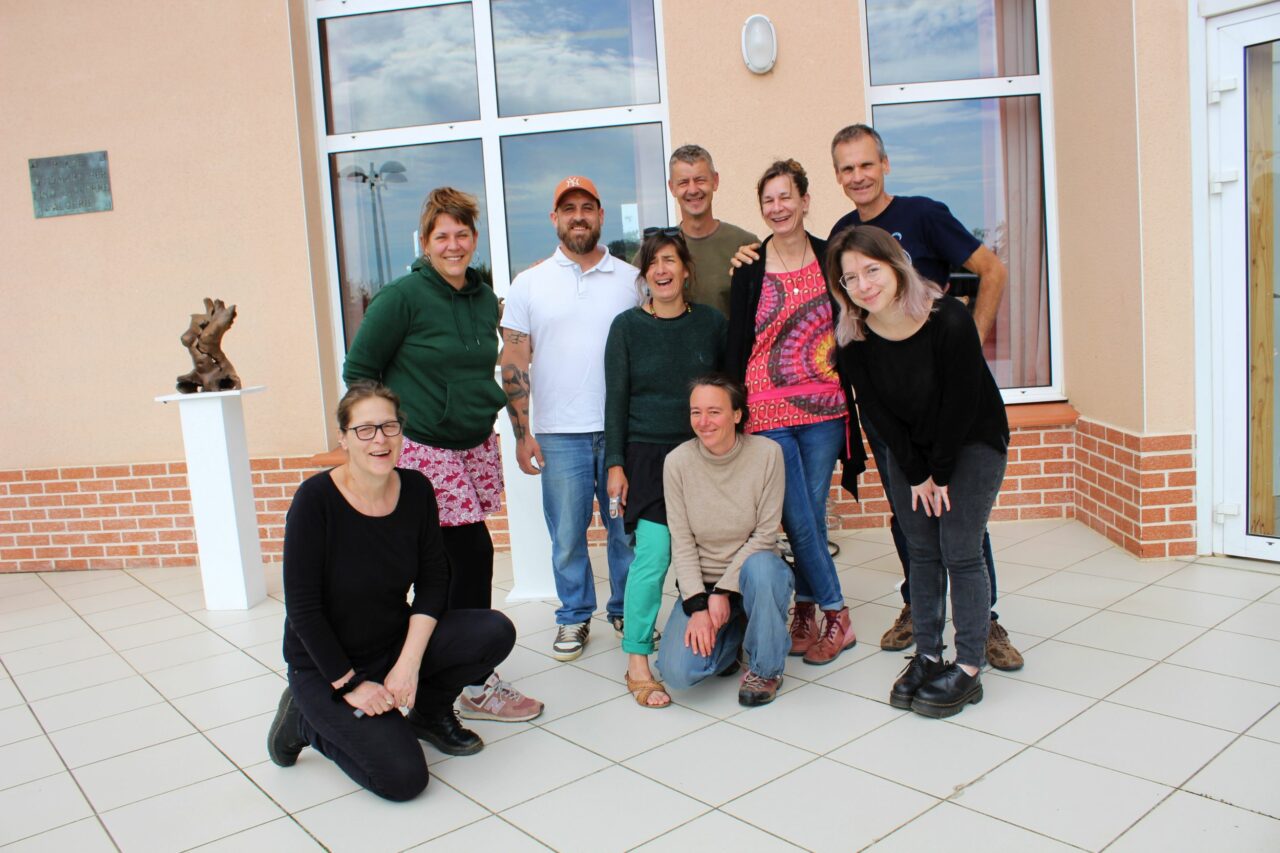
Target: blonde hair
(916, 294)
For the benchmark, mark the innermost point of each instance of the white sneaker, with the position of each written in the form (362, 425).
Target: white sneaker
(570, 641)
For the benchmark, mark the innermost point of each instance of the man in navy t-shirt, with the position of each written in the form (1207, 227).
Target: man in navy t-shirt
(937, 244)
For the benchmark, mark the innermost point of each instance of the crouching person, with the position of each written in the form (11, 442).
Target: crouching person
(724, 492)
(357, 537)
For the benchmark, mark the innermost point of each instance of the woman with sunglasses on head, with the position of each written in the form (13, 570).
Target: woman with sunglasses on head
(917, 368)
(652, 353)
(357, 539)
(781, 346)
(432, 337)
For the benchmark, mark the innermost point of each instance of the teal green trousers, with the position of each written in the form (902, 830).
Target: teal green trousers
(643, 597)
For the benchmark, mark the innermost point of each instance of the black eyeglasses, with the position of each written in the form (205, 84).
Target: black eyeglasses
(667, 231)
(366, 432)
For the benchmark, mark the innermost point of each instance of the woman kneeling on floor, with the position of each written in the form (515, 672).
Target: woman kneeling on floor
(724, 491)
(917, 368)
(357, 538)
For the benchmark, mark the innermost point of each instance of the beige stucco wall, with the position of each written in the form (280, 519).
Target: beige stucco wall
(1123, 154)
(194, 103)
(746, 120)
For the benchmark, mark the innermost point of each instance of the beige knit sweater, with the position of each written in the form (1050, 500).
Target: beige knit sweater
(721, 510)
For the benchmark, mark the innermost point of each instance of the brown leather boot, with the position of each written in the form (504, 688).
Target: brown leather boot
(804, 627)
(1000, 652)
(837, 635)
(900, 634)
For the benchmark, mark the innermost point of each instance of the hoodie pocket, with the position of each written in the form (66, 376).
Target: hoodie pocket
(471, 406)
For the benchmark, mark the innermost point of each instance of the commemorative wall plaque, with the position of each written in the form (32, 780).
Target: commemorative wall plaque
(73, 183)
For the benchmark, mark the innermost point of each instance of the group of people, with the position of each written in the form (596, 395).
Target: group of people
(701, 400)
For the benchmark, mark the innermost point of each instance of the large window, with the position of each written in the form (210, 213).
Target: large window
(958, 91)
(500, 98)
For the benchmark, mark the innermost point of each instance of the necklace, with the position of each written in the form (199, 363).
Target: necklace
(649, 309)
(804, 253)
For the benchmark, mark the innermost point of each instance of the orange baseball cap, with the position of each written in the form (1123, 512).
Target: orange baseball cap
(575, 182)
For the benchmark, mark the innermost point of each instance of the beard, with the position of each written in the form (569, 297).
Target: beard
(578, 244)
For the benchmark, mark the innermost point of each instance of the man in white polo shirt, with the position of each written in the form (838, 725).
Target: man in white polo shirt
(557, 316)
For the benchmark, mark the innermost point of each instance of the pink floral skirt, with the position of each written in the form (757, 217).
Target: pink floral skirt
(468, 483)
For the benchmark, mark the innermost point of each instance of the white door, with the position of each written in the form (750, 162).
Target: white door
(1244, 79)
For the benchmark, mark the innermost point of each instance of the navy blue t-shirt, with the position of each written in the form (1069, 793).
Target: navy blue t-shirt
(935, 240)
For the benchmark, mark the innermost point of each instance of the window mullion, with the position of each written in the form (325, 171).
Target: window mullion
(491, 146)
(954, 90)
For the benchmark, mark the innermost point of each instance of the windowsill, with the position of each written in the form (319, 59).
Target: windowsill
(1040, 414)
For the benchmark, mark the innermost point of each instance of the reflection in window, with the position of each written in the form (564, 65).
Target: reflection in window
(626, 164)
(553, 56)
(982, 158)
(921, 41)
(399, 69)
(377, 201)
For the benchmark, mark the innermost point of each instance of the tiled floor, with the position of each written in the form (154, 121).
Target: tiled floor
(1147, 718)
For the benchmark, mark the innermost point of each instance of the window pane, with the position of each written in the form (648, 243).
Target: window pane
(920, 41)
(626, 164)
(982, 158)
(377, 199)
(554, 55)
(399, 69)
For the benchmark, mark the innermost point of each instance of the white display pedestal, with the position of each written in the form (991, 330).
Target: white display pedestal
(530, 542)
(222, 497)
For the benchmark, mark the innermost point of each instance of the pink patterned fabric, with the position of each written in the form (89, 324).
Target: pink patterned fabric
(468, 483)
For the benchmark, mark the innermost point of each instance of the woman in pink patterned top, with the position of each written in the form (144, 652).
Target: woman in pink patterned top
(782, 346)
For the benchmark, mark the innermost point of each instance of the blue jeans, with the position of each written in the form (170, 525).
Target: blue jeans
(766, 582)
(950, 546)
(575, 474)
(809, 453)
(880, 451)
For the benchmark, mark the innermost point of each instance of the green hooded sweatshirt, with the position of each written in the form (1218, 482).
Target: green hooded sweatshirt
(436, 347)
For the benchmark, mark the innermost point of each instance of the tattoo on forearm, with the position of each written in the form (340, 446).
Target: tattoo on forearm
(513, 337)
(516, 383)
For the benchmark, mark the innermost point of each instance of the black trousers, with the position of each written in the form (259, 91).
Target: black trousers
(382, 753)
(469, 548)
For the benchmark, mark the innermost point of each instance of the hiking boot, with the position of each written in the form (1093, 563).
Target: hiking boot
(442, 730)
(804, 627)
(284, 738)
(499, 702)
(918, 671)
(946, 694)
(900, 634)
(570, 641)
(756, 690)
(837, 635)
(1000, 652)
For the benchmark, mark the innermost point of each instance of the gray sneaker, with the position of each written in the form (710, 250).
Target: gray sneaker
(570, 641)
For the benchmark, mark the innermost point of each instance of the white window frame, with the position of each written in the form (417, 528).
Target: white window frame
(999, 87)
(489, 128)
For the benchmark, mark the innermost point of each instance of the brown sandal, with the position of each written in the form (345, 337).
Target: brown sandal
(645, 688)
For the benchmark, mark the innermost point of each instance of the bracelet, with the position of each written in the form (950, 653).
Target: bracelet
(352, 683)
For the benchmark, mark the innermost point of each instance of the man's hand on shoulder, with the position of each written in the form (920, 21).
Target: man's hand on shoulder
(744, 257)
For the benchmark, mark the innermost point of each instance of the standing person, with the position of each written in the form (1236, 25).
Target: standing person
(556, 322)
(725, 493)
(917, 367)
(936, 242)
(357, 539)
(653, 352)
(781, 345)
(712, 242)
(432, 337)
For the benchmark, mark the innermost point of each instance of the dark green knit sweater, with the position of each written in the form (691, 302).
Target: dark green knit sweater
(648, 364)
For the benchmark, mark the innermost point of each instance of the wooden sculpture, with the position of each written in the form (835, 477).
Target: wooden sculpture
(203, 339)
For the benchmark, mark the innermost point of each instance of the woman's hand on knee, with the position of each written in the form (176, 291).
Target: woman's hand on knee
(700, 636)
(371, 698)
(402, 684)
(932, 497)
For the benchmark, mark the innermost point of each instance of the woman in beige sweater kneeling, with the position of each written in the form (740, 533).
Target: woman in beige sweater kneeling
(724, 492)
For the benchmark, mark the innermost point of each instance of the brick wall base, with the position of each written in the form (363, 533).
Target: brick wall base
(1139, 491)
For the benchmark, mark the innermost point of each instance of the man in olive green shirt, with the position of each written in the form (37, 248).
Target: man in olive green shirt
(711, 243)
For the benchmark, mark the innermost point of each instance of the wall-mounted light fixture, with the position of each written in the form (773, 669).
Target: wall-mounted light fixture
(759, 44)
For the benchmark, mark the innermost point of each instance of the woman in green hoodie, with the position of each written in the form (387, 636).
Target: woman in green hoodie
(432, 337)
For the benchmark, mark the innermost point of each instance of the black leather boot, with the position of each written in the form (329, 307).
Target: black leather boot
(947, 693)
(918, 670)
(284, 740)
(443, 730)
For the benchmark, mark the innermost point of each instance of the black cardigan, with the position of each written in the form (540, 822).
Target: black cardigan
(744, 299)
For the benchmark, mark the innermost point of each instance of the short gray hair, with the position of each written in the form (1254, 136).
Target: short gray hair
(854, 132)
(691, 154)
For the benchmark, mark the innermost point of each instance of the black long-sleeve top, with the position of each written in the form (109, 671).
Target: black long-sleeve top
(929, 394)
(347, 575)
